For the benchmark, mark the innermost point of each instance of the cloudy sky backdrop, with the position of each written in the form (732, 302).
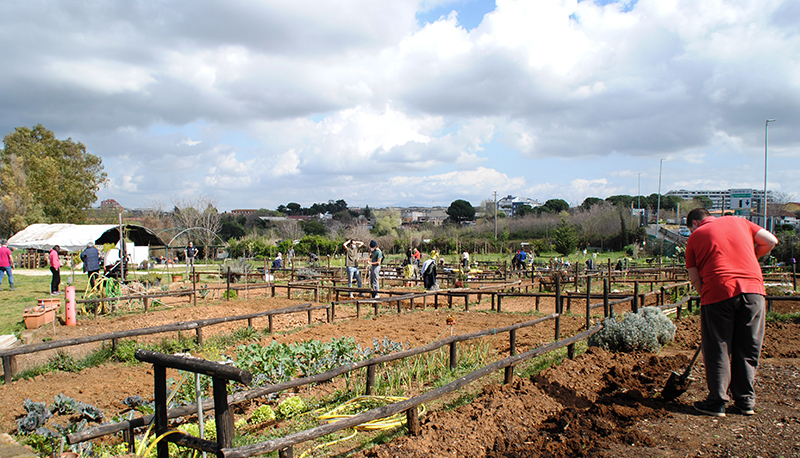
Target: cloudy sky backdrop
(409, 102)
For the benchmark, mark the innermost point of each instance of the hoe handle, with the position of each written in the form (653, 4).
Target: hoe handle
(691, 365)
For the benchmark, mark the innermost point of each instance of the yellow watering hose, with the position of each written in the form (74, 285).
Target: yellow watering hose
(357, 405)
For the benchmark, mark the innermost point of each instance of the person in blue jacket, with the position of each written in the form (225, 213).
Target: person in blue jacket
(91, 263)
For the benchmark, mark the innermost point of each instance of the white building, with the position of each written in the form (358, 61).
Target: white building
(509, 204)
(741, 201)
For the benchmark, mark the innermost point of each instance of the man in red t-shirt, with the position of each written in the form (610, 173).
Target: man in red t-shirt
(722, 260)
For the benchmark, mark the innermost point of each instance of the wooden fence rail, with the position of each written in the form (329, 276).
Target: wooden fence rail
(8, 355)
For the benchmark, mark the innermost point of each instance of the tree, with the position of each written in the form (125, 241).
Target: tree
(590, 202)
(45, 179)
(557, 205)
(566, 238)
(290, 230)
(387, 221)
(704, 201)
(199, 214)
(523, 211)
(623, 200)
(460, 211)
(18, 207)
(312, 227)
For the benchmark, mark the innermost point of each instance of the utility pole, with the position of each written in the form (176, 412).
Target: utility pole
(495, 215)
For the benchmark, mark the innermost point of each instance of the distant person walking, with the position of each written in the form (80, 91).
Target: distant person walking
(351, 262)
(375, 260)
(6, 264)
(91, 263)
(55, 269)
(722, 260)
(190, 252)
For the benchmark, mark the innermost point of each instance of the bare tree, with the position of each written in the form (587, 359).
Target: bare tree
(358, 232)
(290, 230)
(200, 216)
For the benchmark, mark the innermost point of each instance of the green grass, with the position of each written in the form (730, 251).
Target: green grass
(779, 317)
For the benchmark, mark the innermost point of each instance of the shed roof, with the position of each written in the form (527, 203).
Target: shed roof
(75, 237)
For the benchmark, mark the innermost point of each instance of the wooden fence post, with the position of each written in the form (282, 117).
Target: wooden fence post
(228, 285)
(9, 368)
(453, 356)
(512, 345)
(412, 421)
(608, 309)
(370, 379)
(194, 286)
(635, 303)
(588, 299)
(558, 308)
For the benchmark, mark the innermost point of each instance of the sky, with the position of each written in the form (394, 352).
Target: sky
(410, 102)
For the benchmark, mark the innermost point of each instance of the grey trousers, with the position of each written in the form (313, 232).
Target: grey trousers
(732, 332)
(374, 277)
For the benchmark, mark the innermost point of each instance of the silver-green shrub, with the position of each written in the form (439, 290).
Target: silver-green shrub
(648, 330)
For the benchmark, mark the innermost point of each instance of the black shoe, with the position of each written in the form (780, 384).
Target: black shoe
(746, 411)
(714, 409)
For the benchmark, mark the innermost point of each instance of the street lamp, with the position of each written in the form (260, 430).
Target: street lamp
(658, 202)
(766, 124)
(639, 198)
(639, 192)
(658, 207)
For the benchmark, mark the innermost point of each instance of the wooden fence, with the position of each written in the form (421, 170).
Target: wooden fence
(8, 355)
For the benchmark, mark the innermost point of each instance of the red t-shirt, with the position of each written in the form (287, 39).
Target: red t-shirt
(723, 251)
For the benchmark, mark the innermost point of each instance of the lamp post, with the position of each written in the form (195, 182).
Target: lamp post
(639, 198)
(658, 201)
(495, 215)
(765, 200)
(658, 205)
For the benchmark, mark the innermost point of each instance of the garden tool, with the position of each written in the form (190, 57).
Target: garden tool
(677, 384)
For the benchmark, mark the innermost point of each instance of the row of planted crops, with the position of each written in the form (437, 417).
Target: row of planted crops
(45, 426)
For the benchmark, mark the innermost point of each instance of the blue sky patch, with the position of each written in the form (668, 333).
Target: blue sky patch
(470, 12)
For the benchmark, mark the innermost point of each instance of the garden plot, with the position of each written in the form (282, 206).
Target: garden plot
(527, 418)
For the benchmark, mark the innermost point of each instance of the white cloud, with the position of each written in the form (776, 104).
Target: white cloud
(355, 100)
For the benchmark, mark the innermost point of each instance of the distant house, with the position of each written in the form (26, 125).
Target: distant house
(510, 204)
(419, 215)
(245, 212)
(110, 204)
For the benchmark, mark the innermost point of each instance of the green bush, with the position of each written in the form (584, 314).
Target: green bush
(648, 330)
(291, 406)
(262, 414)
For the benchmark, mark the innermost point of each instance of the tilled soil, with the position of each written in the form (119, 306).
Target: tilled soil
(599, 404)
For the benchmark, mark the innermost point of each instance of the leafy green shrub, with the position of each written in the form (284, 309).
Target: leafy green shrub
(291, 406)
(262, 414)
(230, 294)
(63, 361)
(278, 362)
(125, 351)
(648, 330)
